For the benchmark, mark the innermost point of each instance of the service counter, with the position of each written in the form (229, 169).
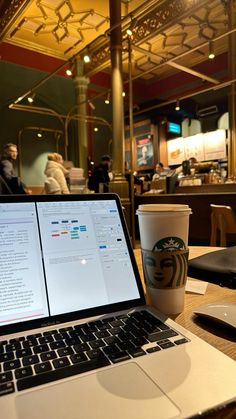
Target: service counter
(200, 220)
(206, 188)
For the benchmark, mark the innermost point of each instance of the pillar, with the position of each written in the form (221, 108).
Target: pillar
(231, 10)
(81, 86)
(120, 185)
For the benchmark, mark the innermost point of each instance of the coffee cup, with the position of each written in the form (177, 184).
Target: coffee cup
(164, 245)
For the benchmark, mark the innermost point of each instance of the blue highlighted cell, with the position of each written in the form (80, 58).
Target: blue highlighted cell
(102, 247)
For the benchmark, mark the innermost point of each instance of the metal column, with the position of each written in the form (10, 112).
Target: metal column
(81, 86)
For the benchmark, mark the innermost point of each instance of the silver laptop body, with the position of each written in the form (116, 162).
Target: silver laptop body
(76, 338)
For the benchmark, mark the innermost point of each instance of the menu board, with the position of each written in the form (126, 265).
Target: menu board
(194, 147)
(215, 145)
(204, 147)
(175, 150)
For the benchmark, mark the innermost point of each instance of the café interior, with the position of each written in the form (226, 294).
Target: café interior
(160, 78)
(126, 78)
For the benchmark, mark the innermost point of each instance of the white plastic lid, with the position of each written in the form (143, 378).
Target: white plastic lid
(163, 207)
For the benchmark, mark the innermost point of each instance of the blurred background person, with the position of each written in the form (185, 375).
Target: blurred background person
(56, 175)
(100, 178)
(161, 171)
(8, 173)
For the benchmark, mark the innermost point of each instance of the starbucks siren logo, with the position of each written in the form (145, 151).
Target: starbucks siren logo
(169, 244)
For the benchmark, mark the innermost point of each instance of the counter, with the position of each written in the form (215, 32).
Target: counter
(200, 220)
(207, 188)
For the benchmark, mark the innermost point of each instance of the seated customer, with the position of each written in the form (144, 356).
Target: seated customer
(10, 182)
(56, 175)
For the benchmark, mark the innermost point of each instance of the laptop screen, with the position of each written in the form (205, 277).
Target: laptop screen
(60, 256)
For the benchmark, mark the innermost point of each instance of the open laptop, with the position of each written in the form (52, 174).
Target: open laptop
(76, 338)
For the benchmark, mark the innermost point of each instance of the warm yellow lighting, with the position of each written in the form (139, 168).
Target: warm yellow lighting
(129, 32)
(177, 106)
(211, 54)
(96, 129)
(91, 105)
(86, 58)
(123, 94)
(19, 99)
(30, 99)
(39, 135)
(69, 72)
(107, 100)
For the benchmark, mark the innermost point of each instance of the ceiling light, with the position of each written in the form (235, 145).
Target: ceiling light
(123, 94)
(107, 100)
(86, 57)
(129, 32)
(95, 129)
(69, 72)
(211, 54)
(177, 105)
(31, 98)
(91, 105)
(39, 135)
(19, 99)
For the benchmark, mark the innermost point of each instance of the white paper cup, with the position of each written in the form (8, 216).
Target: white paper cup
(164, 229)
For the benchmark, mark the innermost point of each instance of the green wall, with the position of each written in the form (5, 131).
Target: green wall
(57, 93)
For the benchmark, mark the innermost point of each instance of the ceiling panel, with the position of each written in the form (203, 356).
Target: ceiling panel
(164, 32)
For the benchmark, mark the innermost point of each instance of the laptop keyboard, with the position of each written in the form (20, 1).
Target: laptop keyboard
(32, 360)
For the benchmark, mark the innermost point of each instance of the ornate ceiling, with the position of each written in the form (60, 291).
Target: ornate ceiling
(170, 37)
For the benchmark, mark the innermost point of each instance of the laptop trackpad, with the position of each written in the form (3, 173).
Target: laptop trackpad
(124, 391)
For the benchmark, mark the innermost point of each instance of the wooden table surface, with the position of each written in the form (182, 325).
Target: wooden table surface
(220, 337)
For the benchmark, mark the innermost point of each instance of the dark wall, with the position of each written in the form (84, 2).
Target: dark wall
(58, 94)
(200, 220)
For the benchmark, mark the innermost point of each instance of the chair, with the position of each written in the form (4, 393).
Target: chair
(223, 219)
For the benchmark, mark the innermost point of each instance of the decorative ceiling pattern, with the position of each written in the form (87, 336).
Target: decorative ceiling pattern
(168, 37)
(59, 28)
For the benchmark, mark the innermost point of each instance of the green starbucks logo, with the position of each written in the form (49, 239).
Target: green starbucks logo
(169, 244)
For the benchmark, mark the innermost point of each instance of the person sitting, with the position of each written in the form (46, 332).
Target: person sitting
(56, 175)
(10, 182)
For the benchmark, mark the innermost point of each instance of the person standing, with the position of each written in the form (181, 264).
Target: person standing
(99, 180)
(7, 172)
(56, 175)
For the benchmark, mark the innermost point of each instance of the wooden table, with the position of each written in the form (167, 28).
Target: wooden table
(217, 336)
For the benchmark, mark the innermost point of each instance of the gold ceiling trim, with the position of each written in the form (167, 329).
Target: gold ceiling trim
(162, 16)
(11, 13)
(164, 29)
(66, 25)
(148, 25)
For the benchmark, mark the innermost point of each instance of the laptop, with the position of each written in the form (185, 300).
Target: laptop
(77, 340)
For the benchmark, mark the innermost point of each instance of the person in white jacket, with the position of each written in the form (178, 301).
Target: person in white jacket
(56, 175)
